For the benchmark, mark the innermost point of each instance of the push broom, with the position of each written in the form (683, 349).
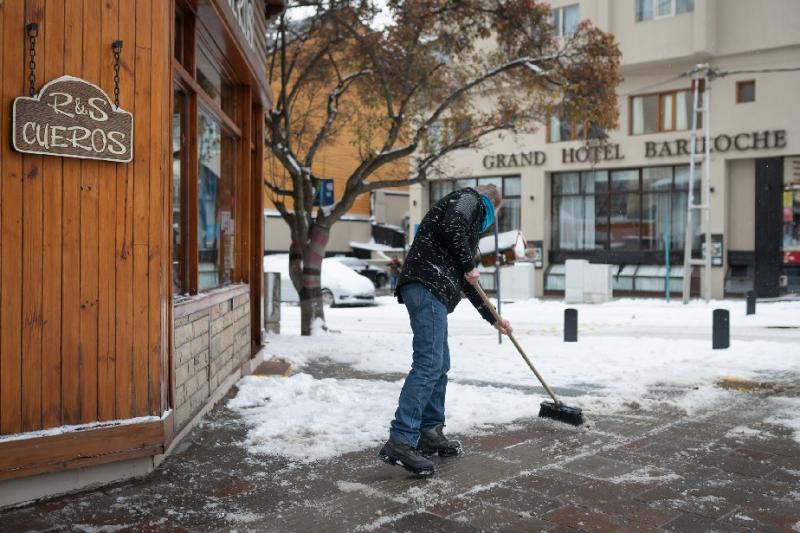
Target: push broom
(555, 409)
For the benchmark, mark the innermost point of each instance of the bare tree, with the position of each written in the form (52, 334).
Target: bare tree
(479, 66)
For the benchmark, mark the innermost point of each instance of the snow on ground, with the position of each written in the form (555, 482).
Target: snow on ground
(626, 350)
(308, 419)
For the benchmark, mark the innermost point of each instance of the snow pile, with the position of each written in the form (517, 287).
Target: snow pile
(602, 374)
(307, 419)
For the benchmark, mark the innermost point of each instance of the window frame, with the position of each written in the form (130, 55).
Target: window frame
(559, 28)
(448, 130)
(476, 180)
(673, 93)
(607, 195)
(739, 86)
(654, 10)
(574, 129)
(184, 79)
(672, 10)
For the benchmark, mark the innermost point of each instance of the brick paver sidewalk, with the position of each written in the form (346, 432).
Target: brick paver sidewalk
(725, 469)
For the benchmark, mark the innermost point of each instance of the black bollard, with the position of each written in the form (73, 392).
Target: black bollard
(751, 303)
(721, 334)
(570, 325)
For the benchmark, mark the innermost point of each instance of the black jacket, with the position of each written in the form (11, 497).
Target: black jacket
(444, 249)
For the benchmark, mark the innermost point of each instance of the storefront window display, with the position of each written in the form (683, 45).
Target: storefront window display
(216, 150)
(630, 209)
(206, 159)
(791, 236)
(510, 187)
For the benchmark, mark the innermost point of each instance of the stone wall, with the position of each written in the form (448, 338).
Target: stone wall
(209, 345)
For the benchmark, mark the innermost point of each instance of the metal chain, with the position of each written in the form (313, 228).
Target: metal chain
(33, 32)
(117, 47)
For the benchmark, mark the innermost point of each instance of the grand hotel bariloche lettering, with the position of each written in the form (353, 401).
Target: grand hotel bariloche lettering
(741, 142)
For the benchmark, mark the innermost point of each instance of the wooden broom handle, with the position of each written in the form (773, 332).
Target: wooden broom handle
(514, 341)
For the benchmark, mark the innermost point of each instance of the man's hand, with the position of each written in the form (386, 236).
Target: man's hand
(503, 326)
(473, 276)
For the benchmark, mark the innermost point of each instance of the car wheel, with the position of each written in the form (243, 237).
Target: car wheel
(381, 281)
(327, 297)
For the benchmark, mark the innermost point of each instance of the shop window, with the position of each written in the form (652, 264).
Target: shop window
(180, 282)
(214, 83)
(565, 20)
(215, 192)
(554, 279)
(206, 148)
(658, 9)
(624, 214)
(745, 91)
(631, 209)
(791, 231)
(666, 111)
(509, 186)
(580, 217)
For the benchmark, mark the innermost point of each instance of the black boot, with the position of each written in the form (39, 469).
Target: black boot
(432, 441)
(395, 452)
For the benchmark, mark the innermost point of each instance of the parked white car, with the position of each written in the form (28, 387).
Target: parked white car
(376, 274)
(340, 284)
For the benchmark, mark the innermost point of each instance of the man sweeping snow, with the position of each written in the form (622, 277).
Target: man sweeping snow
(439, 267)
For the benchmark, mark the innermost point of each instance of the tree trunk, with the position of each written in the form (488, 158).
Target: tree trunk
(311, 308)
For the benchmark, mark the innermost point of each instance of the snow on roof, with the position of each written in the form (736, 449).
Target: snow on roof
(505, 240)
(374, 246)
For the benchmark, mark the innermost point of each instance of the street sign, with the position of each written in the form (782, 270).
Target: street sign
(325, 193)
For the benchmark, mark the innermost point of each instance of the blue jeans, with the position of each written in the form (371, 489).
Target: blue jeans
(421, 404)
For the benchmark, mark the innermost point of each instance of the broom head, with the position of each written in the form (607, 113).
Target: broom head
(561, 413)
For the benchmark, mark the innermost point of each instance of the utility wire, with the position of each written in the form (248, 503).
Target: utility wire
(653, 85)
(717, 73)
(759, 71)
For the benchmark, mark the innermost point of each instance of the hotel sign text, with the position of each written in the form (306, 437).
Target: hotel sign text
(741, 142)
(593, 154)
(522, 159)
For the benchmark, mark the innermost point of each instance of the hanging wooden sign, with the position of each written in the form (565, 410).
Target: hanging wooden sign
(71, 117)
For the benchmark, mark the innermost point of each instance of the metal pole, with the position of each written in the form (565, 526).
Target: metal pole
(497, 276)
(707, 190)
(687, 245)
(666, 250)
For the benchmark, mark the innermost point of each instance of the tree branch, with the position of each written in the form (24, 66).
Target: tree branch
(333, 112)
(277, 190)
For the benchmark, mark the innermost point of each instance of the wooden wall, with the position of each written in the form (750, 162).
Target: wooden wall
(84, 245)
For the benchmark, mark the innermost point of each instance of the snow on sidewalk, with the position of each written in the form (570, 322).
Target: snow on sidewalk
(307, 418)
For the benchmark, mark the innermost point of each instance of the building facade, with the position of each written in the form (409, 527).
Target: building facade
(131, 234)
(624, 201)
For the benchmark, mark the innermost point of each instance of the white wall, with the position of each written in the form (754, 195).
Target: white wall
(277, 236)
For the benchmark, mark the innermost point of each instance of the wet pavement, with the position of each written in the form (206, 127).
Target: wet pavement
(727, 468)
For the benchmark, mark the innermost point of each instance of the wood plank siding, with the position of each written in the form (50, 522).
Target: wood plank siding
(87, 332)
(84, 245)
